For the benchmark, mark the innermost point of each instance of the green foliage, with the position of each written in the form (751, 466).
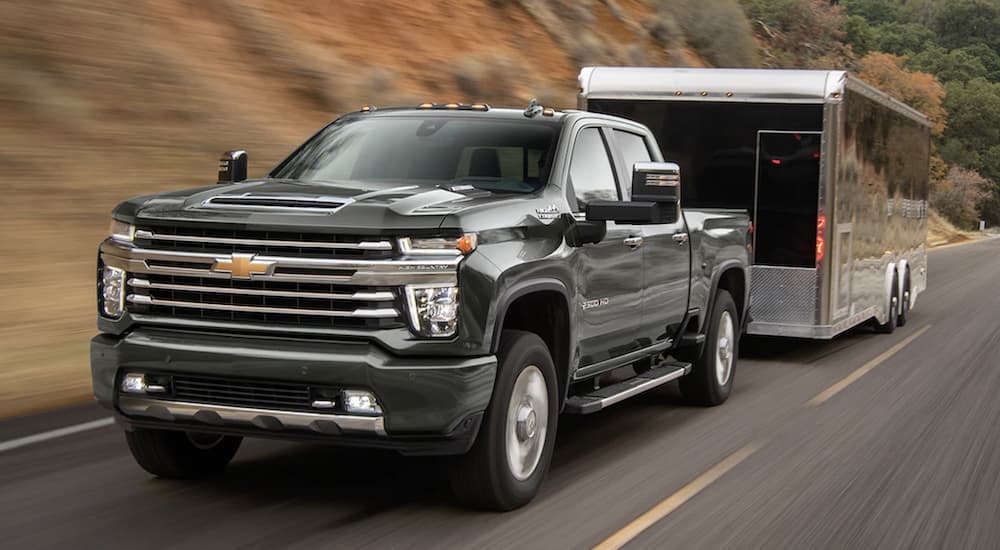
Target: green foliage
(875, 12)
(973, 135)
(717, 29)
(859, 34)
(902, 38)
(800, 33)
(962, 23)
(948, 65)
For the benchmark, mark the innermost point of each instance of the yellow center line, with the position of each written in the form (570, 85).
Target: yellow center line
(833, 390)
(676, 500)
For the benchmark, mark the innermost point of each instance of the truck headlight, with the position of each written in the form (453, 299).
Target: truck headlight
(433, 309)
(121, 231)
(456, 246)
(112, 291)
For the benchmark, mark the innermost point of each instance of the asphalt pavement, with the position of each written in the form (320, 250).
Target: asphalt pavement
(866, 441)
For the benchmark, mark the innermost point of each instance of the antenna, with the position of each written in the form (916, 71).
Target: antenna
(534, 109)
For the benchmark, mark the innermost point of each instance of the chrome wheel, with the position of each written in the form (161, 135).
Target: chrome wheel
(527, 422)
(725, 349)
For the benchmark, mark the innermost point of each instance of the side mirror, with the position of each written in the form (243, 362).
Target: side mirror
(660, 183)
(232, 167)
(579, 233)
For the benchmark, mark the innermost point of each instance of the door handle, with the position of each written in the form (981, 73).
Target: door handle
(680, 238)
(633, 242)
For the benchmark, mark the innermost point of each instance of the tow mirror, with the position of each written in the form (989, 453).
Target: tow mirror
(581, 232)
(660, 183)
(233, 167)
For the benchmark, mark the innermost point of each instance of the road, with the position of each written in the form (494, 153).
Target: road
(905, 455)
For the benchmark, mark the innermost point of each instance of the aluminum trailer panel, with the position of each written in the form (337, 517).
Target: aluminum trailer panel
(850, 162)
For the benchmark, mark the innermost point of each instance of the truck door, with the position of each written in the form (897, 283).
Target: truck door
(665, 254)
(610, 272)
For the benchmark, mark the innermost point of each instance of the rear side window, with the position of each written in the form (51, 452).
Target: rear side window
(590, 169)
(633, 149)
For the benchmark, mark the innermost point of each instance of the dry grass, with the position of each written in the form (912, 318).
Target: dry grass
(105, 99)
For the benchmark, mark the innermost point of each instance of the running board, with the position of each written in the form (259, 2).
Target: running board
(609, 395)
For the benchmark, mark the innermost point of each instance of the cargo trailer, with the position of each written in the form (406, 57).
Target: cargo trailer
(833, 172)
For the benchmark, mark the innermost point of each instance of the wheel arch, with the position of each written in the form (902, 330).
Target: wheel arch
(521, 307)
(731, 276)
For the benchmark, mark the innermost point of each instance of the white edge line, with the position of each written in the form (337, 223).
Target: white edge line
(54, 434)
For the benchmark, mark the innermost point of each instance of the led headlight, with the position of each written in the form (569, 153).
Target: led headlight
(112, 291)
(121, 231)
(433, 309)
(456, 246)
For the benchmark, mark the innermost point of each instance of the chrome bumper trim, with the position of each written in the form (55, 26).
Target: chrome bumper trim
(264, 419)
(360, 313)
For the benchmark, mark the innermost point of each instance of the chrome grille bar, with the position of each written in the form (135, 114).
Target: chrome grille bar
(360, 313)
(363, 245)
(357, 296)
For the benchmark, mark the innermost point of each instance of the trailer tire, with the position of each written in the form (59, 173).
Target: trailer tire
(506, 465)
(904, 302)
(181, 455)
(890, 326)
(712, 372)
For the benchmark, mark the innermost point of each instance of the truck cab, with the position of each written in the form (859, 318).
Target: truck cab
(438, 280)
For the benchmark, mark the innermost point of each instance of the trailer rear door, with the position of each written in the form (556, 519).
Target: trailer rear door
(786, 199)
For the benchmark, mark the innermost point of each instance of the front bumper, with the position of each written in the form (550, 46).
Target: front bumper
(430, 405)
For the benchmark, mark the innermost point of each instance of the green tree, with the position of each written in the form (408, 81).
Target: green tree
(875, 11)
(962, 23)
(973, 135)
(948, 65)
(902, 38)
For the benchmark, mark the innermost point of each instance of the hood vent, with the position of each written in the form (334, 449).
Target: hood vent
(277, 202)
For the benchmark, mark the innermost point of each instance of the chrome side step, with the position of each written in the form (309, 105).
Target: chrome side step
(609, 395)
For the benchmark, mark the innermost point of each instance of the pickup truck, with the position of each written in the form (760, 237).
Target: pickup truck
(435, 280)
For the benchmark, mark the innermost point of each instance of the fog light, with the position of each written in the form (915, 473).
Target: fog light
(112, 291)
(360, 402)
(134, 383)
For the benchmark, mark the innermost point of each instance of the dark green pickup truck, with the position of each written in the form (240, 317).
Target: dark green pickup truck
(437, 280)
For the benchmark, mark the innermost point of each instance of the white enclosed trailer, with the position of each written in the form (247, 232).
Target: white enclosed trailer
(833, 172)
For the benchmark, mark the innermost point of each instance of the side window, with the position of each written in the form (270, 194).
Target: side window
(590, 169)
(633, 149)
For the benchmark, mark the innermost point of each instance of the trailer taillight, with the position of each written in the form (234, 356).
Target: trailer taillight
(820, 242)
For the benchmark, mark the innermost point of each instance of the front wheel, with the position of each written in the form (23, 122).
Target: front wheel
(712, 372)
(181, 455)
(505, 467)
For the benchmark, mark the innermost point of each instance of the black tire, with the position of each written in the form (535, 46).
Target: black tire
(702, 386)
(180, 455)
(904, 302)
(890, 326)
(484, 478)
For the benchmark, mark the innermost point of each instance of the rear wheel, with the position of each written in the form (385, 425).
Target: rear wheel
(904, 306)
(181, 455)
(890, 325)
(505, 467)
(712, 372)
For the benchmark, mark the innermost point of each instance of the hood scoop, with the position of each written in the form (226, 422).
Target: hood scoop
(260, 201)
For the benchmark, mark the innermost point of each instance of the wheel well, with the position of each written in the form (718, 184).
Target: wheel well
(734, 282)
(544, 313)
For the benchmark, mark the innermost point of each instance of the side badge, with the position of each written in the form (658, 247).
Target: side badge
(548, 212)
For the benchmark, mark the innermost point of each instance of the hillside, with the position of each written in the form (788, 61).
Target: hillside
(102, 100)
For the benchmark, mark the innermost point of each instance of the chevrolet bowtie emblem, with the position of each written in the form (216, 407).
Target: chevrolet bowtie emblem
(242, 266)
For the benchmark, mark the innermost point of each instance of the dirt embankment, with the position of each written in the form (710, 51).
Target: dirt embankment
(101, 100)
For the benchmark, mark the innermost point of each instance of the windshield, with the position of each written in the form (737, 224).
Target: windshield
(501, 156)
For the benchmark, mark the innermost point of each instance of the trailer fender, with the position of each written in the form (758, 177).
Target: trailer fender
(902, 267)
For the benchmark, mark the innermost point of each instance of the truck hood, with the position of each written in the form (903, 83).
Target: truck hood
(368, 207)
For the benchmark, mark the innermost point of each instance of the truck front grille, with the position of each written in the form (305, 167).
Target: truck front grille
(264, 243)
(270, 302)
(244, 393)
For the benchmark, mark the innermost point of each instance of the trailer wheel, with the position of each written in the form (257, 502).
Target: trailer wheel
(904, 306)
(890, 326)
(712, 373)
(505, 467)
(181, 455)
